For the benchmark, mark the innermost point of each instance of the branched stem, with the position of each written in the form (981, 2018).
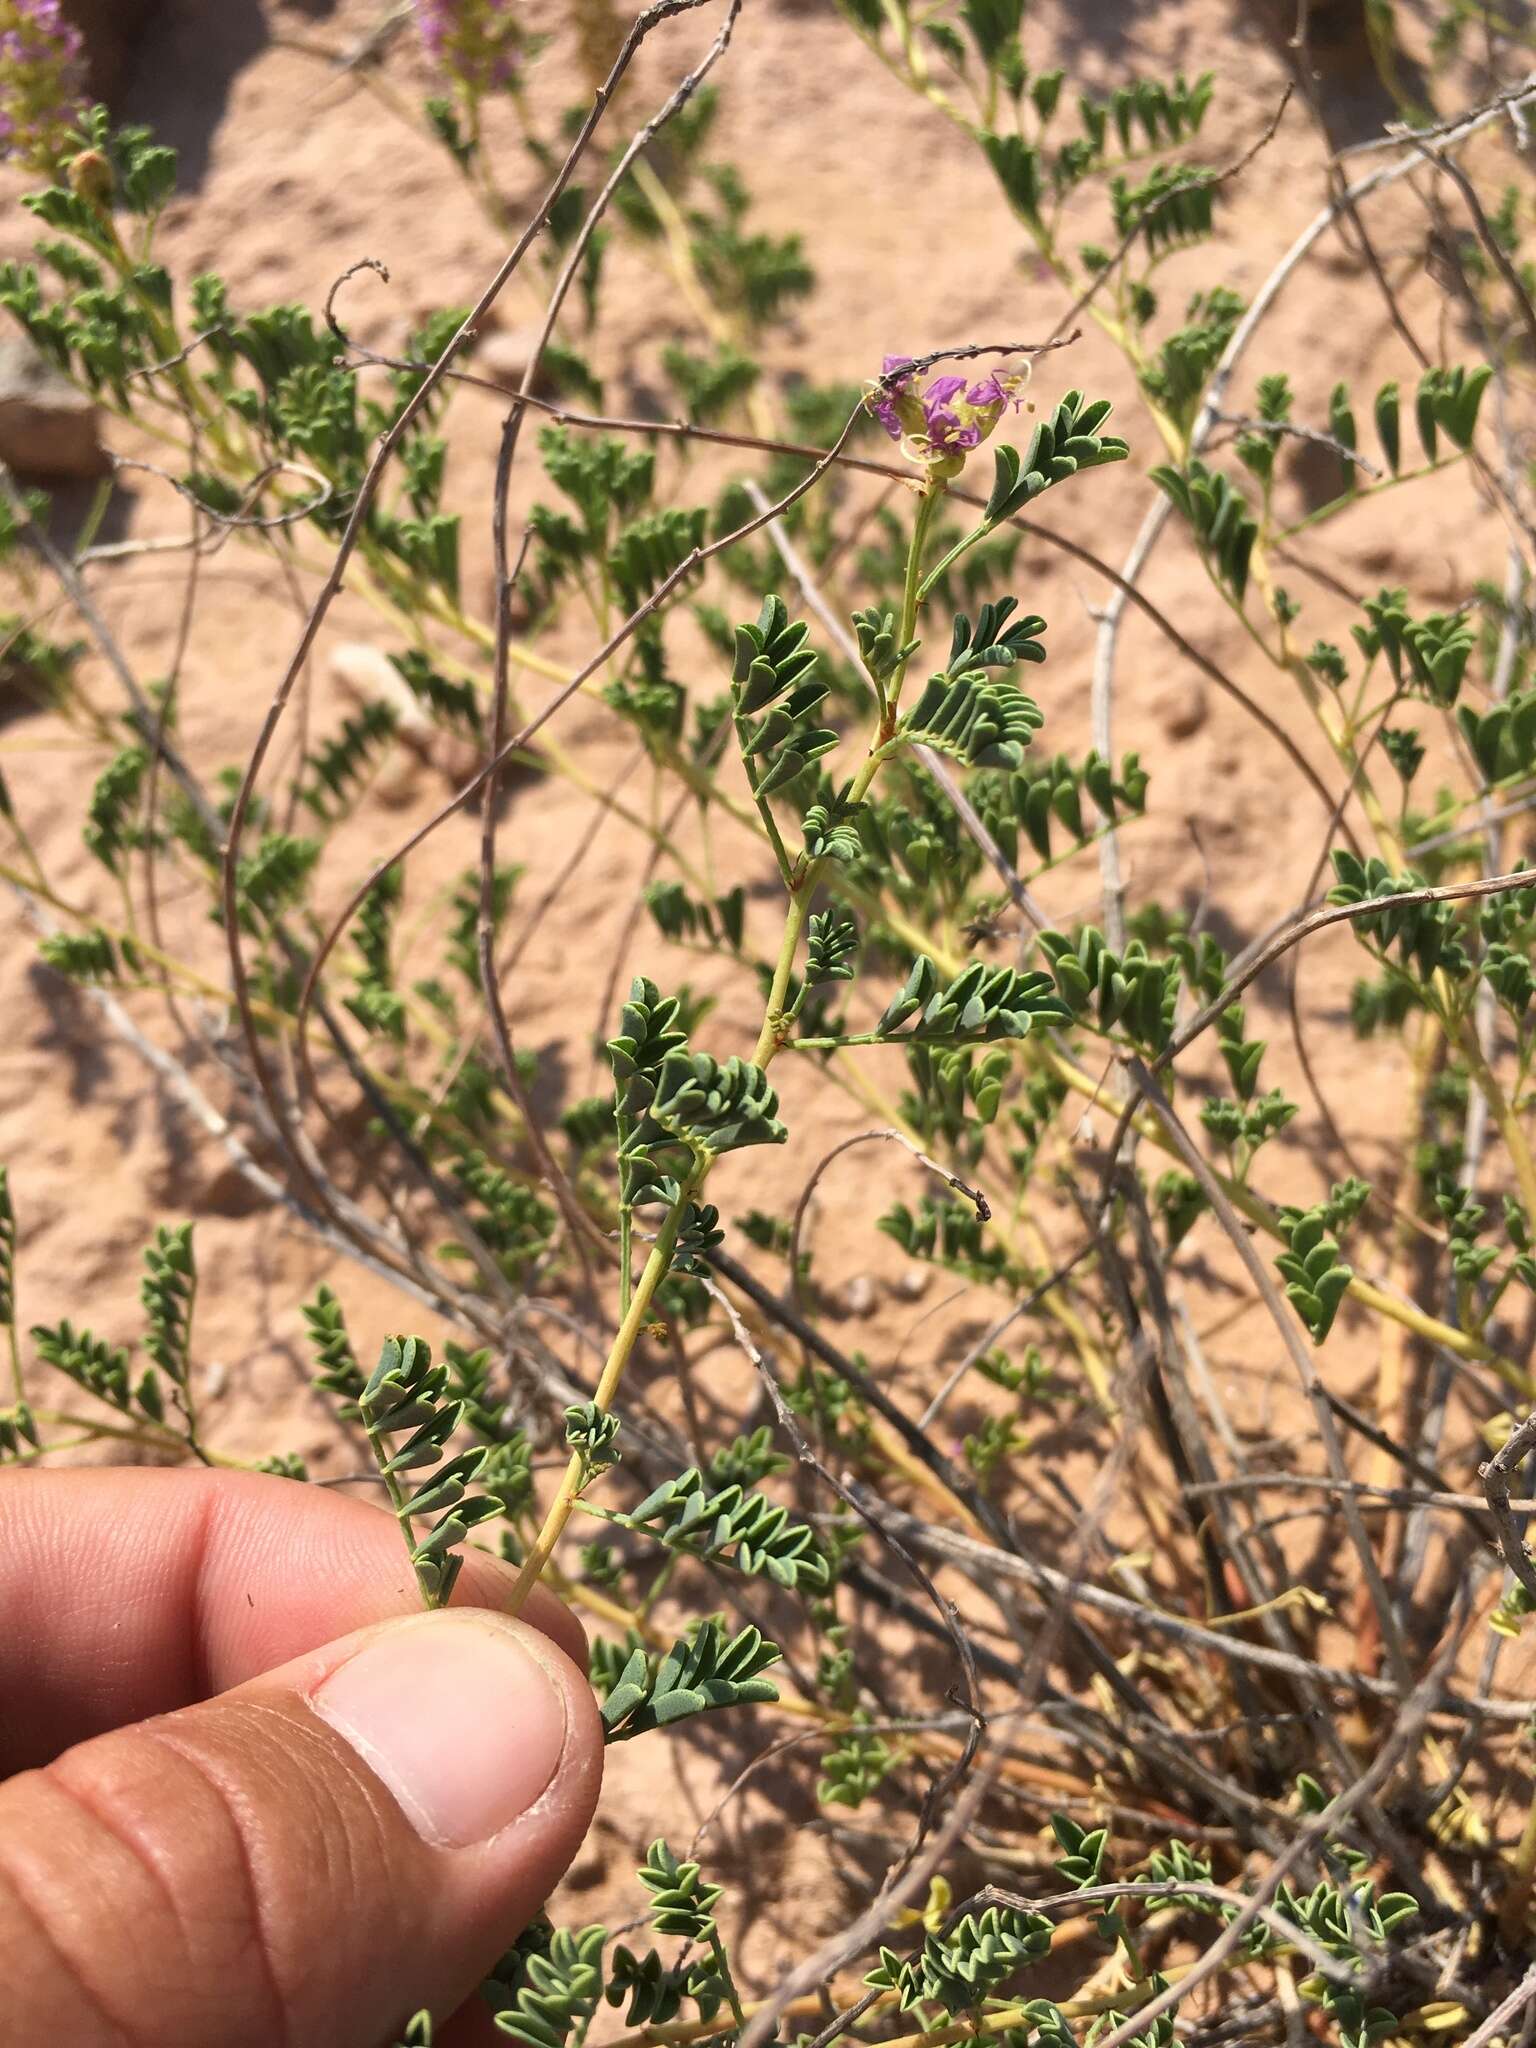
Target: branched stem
(654, 1272)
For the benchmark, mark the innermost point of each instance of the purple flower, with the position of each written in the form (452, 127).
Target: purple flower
(939, 421)
(477, 43)
(41, 78)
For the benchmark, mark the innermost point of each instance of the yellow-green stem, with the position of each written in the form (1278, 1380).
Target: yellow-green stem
(1504, 1115)
(912, 592)
(769, 1039)
(655, 1271)
(397, 1502)
(802, 891)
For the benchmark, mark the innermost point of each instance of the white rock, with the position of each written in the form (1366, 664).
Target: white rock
(503, 354)
(859, 1295)
(366, 675)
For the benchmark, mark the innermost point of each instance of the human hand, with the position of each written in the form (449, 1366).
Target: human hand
(252, 1794)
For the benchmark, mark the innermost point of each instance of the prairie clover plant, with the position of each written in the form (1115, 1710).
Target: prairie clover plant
(873, 873)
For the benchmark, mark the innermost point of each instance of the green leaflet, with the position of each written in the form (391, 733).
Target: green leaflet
(699, 1676)
(731, 1526)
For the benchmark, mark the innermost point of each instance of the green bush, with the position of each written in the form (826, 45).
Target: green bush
(851, 804)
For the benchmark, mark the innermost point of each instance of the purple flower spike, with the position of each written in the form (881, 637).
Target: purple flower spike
(476, 43)
(939, 421)
(41, 79)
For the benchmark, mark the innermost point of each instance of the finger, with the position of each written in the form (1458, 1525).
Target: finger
(129, 1593)
(310, 1858)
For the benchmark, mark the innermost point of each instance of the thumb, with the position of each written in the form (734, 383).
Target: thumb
(308, 1859)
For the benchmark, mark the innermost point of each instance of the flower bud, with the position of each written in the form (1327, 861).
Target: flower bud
(90, 178)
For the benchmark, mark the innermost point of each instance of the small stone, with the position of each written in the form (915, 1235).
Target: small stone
(504, 354)
(214, 1379)
(48, 430)
(366, 675)
(913, 1282)
(1181, 708)
(858, 1296)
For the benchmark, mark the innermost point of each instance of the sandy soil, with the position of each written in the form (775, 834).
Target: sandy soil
(290, 175)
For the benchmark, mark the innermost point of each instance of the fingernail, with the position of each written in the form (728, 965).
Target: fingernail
(461, 1722)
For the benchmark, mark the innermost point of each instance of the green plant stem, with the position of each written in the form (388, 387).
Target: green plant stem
(397, 1502)
(912, 595)
(560, 1510)
(183, 1387)
(803, 889)
(654, 1590)
(977, 533)
(1504, 1115)
(723, 1968)
(1339, 504)
(626, 1258)
(30, 1453)
(151, 1435)
(771, 1038)
(25, 847)
(764, 811)
(876, 1038)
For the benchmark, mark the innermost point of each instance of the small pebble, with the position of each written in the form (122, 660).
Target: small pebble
(859, 1295)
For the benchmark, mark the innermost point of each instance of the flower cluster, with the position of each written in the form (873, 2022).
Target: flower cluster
(940, 421)
(477, 43)
(41, 77)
